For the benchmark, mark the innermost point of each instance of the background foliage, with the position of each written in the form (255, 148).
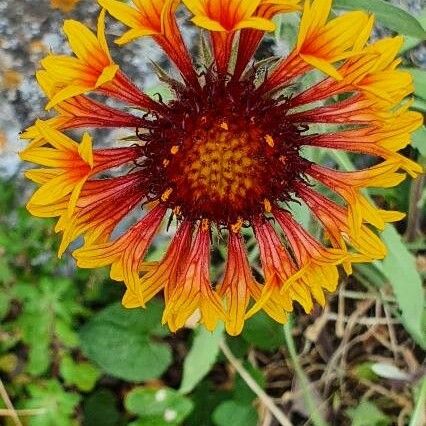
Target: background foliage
(70, 355)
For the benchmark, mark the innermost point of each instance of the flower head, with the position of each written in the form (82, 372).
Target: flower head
(223, 160)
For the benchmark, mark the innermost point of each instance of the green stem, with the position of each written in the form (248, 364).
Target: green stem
(310, 402)
(419, 416)
(282, 419)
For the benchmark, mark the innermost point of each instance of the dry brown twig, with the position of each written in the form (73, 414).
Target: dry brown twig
(10, 408)
(345, 344)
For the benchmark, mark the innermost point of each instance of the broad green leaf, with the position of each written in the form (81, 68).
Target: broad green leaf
(206, 397)
(57, 406)
(387, 14)
(101, 409)
(159, 407)
(419, 140)
(419, 105)
(83, 375)
(123, 342)
(419, 78)
(242, 393)
(263, 332)
(367, 414)
(235, 414)
(200, 358)
(411, 42)
(399, 267)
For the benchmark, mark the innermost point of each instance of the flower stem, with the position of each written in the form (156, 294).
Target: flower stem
(254, 386)
(311, 404)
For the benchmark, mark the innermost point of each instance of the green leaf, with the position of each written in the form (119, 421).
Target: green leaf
(8, 363)
(122, 342)
(399, 267)
(310, 399)
(367, 414)
(264, 333)
(419, 140)
(390, 16)
(242, 393)
(57, 406)
(419, 105)
(101, 409)
(83, 375)
(66, 334)
(206, 398)
(159, 407)
(364, 371)
(419, 413)
(235, 414)
(50, 301)
(419, 78)
(411, 42)
(200, 358)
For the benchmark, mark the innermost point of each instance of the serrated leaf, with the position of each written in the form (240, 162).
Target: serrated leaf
(66, 334)
(83, 375)
(49, 301)
(201, 357)
(159, 407)
(122, 342)
(59, 406)
(387, 14)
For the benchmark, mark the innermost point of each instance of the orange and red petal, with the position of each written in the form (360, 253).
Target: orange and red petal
(194, 290)
(125, 253)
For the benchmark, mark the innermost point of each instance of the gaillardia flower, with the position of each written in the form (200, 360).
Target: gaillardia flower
(226, 157)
